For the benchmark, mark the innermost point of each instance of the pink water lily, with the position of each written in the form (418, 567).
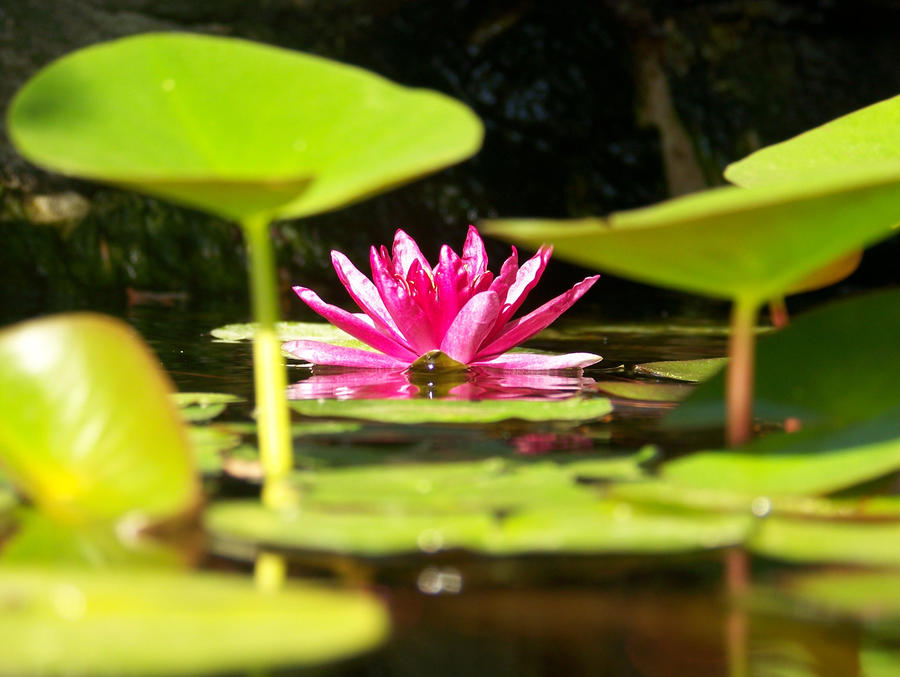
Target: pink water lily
(458, 308)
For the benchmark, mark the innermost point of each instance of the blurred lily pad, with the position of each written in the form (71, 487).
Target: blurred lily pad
(58, 622)
(210, 443)
(576, 527)
(202, 406)
(835, 364)
(88, 430)
(456, 411)
(866, 543)
(693, 371)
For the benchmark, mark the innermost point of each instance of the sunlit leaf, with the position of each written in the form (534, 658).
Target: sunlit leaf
(835, 364)
(234, 127)
(288, 331)
(647, 391)
(88, 428)
(870, 543)
(57, 622)
(39, 540)
(457, 411)
(692, 371)
(747, 244)
(864, 137)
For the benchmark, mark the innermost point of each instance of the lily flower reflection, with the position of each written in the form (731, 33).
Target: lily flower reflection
(458, 310)
(474, 384)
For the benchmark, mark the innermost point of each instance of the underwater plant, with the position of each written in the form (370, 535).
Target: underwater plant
(455, 314)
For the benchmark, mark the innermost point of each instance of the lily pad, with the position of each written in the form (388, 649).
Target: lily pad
(743, 244)
(88, 428)
(202, 406)
(646, 391)
(457, 411)
(835, 364)
(233, 127)
(693, 371)
(209, 443)
(58, 622)
(865, 596)
(288, 331)
(575, 527)
(834, 542)
(864, 137)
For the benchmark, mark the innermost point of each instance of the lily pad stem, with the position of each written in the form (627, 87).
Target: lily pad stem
(270, 377)
(739, 385)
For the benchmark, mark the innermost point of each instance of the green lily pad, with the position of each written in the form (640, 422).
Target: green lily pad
(210, 443)
(693, 371)
(233, 127)
(288, 331)
(575, 527)
(833, 542)
(39, 540)
(835, 364)
(862, 595)
(58, 622)
(865, 137)
(646, 391)
(88, 428)
(743, 244)
(202, 406)
(456, 411)
(814, 461)
(490, 485)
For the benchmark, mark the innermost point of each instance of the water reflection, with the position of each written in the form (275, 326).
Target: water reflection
(472, 384)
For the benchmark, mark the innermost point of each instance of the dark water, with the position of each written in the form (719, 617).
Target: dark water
(459, 614)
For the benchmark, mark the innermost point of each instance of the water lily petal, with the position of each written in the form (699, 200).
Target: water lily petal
(354, 325)
(525, 327)
(405, 252)
(365, 295)
(471, 326)
(341, 356)
(526, 278)
(474, 254)
(411, 320)
(508, 273)
(536, 362)
(448, 280)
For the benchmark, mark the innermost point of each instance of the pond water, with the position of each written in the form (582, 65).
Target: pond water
(454, 612)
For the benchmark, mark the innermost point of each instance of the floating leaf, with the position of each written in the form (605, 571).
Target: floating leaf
(457, 411)
(288, 331)
(693, 371)
(647, 391)
(202, 406)
(744, 244)
(88, 428)
(864, 137)
(233, 127)
(209, 443)
(575, 527)
(863, 595)
(836, 542)
(57, 622)
(835, 364)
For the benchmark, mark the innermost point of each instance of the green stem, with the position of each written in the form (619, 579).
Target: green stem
(739, 388)
(270, 377)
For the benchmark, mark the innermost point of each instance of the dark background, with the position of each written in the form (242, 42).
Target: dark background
(589, 107)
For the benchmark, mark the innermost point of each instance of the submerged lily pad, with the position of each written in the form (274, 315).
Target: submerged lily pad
(202, 406)
(693, 371)
(57, 622)
(457, 411)
(233, 127)
(835, 364)
(646, 391)
(88, 428)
